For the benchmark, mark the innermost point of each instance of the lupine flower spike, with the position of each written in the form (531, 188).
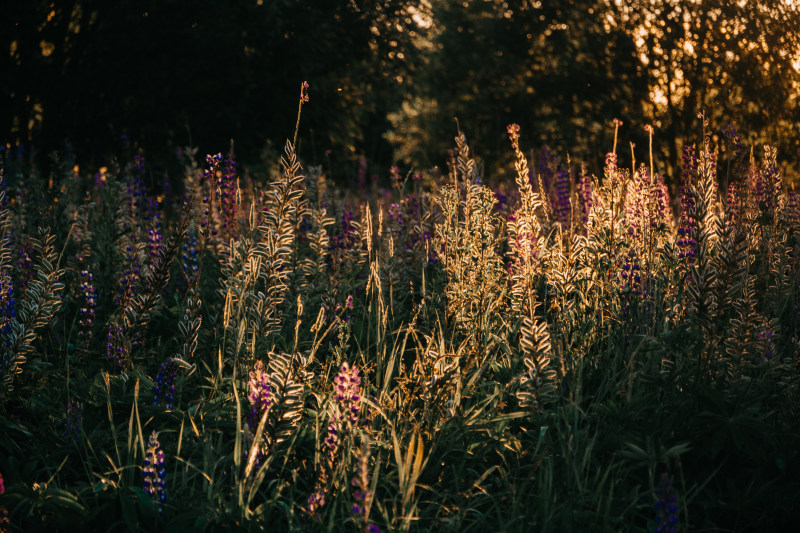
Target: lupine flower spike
(666, 507)
(343, 420)
(74, 422)
(164, 387)
(155, 473)
(86, 319)
(362, 495)
(261, 400)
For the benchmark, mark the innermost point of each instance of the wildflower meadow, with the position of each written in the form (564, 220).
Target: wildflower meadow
(545, 349)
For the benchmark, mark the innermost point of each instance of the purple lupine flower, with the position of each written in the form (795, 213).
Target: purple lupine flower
(611, 161)
(501, 197)
(792, 212)
(341, 308)
(659, 198)
(362, 493)
(332, 440)
(130, 277)
(411, 205)
(155, 472)
(316, 500)
(100, 178)
(396, 214)
(190, 263)
(547, 169)
(631, 286)
(116, 348)
(73, 425)
(261, 401)
(8, 304)
(86, 313)
(2, 487)
(585, 194)
(348, 392)
(666, 507)
(767, 344)
(342, 422)
(347, 396)
(8, 315)
(563, 200)
(636, 201)
(260, 395)
(631, 275)
(346, 238)
(164, 386)
(730, 133)
(226, 186)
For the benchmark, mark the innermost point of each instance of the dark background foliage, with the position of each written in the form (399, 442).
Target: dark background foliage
(388, 78)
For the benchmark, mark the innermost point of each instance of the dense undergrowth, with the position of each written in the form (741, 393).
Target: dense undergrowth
(561, 352)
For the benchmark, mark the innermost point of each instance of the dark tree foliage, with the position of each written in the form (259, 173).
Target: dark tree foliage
(737, 62)
(564, 69)
(559, 69)
(388, 77)
(171, 73)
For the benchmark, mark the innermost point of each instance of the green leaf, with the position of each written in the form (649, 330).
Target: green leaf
(145, 501)
(129, 515)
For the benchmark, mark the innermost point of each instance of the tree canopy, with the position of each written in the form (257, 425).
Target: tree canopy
(389, 78)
